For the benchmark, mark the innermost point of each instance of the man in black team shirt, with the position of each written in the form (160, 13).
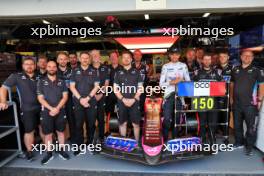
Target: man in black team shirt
(207, 74)
(246, 98)
(84, 84)
(128, 85)
(64, 73)
(191, 62)
(41, 66)
(26, 84)
(111, 99)
(143, 70)
(226, 69)
(104, 75)
(52, 95)
(73, 60)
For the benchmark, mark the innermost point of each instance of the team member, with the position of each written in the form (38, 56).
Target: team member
(143, 70)
(208, 74)
(226, 70)
(52, 95)
(84, 84)
(128, 85)
(215, 60)
(64, 73)
(73, 60)
(191, 62)
(111, 99)
(41, 66)
(245, 100)
(26, 84)
(199, 56)
(172, 73)
(103, 73)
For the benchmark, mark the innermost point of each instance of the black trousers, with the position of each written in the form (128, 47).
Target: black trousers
(170, 117)
(208, 119)
(100, 116)
(249, 114)
(70, 117)
(110, 102)
(87, 115)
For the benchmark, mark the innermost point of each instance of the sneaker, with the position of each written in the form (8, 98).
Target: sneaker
(249, 152)
(47, 158)
(77, 153)
(64, 155)
(29, 156)
(238, 146)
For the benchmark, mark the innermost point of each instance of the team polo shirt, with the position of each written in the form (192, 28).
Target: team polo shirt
(246, 82)
(52, 90)
(84, 80)
(128, 81)
(26, 89)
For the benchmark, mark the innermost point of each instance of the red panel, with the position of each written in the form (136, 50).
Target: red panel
(217, 88)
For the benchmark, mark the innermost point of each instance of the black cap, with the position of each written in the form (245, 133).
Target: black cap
(174, 50)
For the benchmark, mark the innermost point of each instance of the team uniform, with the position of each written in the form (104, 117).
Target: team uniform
(143, 70)
(66, 76)
(26, 89)
(208, 118)
(192, 68)
(222, 103)
(84, 80)
(104, 75)
(52, 91)
(124, 79)
(169, 72)
(246, 81)
(40, 74)
(111, 99)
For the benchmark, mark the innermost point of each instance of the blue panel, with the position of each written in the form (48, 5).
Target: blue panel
(123, 144)
(185, 89)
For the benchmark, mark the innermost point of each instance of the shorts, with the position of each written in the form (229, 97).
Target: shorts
(128, 113)
(51, 123)
(30, 120)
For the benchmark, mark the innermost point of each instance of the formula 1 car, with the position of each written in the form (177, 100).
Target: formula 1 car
(152, 150)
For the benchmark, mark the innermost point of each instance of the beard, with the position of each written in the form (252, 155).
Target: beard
(51, 73)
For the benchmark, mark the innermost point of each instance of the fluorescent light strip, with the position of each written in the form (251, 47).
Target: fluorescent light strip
(146, 16)
(61, 42)
(162, 45)
(151, 51)
(89, 19)
(45, 22)
(206, 15)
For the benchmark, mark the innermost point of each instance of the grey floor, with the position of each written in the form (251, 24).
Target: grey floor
(234, 162)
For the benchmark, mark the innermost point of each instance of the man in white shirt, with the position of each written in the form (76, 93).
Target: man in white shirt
(172, 73)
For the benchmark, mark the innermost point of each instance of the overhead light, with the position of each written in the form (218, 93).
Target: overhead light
(61, 42)
(89, 19)
(146, 16)
(149, 44)
(45, 22)
(206, 15)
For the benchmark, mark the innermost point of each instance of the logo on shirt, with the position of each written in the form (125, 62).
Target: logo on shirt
(237, 71)
(250, 71)
(23, 77)
(90, 73)
(78, 72)
(59, 83)
(46, 83)
(133, 72)
(262, 72)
